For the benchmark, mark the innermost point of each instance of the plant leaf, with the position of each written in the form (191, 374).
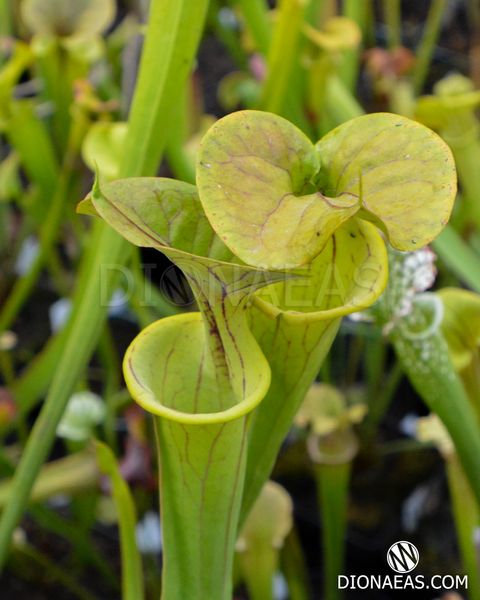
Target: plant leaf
(132, 575)
(256, 179)
(158, 213)
(403, 173)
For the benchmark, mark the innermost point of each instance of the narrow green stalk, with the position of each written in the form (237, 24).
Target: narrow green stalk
(458, 257)
(348, 71)
(29, 136)
(132, 574)
(466, 150)
(282, 54)
(427, 44)
(323, 10)
(182, 165)
(332, 488)
(4, 224)
(60, 278)
(6, 24)
(227, 35)
(261, 540)
(172, 37)
(257, 17)
(393, 21)
(294, 568)
(261, 570)
(380, 402)
(375, 357)
(58, 74)
(467, 521)
(7, 370)
(432, 375)
(313, 13)
(111, 366)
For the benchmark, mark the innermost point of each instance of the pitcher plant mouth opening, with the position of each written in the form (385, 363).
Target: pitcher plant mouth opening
(326, 291)
(143, 379)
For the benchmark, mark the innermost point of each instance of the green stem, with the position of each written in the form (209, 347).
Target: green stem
(294, 567)
(348, 71)
(258, 570)
(381, 399)
(332, 486)
(282, 54)
(200, 533)
(467, 521)
(427, 364)
(402, 98)
(257, 18)
(458, 257)
(182, 165)
(427, 44)
(466, 151)
(6, 21)
(393, 20)
(172, 37)
(132, 574)
(29, 136)
(111, 366)
(55, 68)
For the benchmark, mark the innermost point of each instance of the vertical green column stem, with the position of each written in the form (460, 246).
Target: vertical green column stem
(440, 388)
(427, 45)
(467, 520)
(357, 11)
(200, 529)
(393, 19)
(332, 488)
(282, 54)
(466, 150)
(257, 18)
